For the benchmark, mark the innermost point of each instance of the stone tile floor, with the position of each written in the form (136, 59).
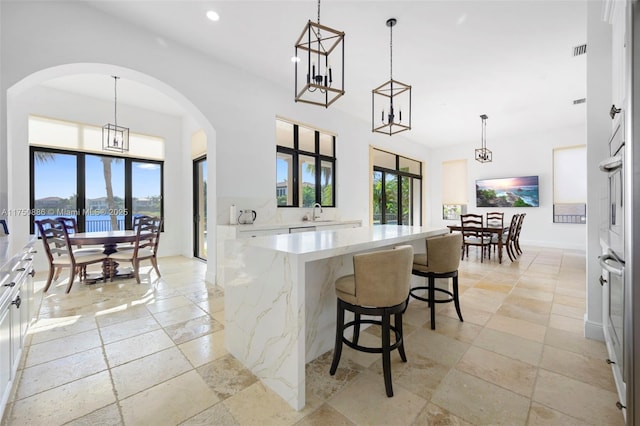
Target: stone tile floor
(153, 354)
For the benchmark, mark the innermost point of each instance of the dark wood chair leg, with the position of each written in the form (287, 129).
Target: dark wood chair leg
(386, 353)
(49, 279)
(456, 300)
(432, 305)
(72, 276)
(356, 329)
(337, 350)
(398, 324)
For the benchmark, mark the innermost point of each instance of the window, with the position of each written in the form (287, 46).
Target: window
(454, 189)
(397, 194)
(570, 184)
(103, 192)
(305, 166)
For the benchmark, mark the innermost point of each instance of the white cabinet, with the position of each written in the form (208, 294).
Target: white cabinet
(16, 313)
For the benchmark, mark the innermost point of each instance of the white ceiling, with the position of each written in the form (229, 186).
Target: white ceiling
(510, 59)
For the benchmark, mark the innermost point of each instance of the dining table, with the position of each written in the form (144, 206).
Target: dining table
(490, 229)
(109, 240)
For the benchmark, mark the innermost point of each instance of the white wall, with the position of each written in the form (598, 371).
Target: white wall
(530, 154)
(236, 108)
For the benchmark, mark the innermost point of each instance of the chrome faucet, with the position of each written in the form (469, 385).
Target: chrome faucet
(314, 211)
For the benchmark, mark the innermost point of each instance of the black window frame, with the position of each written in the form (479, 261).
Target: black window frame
(81, 187)
(296, 152)
(399, 175)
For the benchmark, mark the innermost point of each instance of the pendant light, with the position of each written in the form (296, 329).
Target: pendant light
(390, 98)
(484, 155)
(114, 137)
(319, 64)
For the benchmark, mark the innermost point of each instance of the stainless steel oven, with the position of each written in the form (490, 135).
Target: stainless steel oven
(614, 167)
(614, 308)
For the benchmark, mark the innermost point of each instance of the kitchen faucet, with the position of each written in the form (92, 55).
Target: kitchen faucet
(314, 211)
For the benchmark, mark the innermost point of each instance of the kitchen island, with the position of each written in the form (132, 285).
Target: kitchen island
(280, 304)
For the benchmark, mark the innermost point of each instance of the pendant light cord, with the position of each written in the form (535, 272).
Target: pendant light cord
(391, 52)
(115, 97)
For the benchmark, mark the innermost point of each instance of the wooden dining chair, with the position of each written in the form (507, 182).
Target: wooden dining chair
(71, 225)
(473, 234)
(508, 238)
(495, 220)
(145, 246)
(60, 253)
(516, 237)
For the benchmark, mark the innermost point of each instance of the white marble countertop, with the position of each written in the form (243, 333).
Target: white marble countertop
(324, 244)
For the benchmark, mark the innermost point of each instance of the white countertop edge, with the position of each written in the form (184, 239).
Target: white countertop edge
(301, 224)
(324, 244)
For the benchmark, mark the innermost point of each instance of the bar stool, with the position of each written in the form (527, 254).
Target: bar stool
(379, 287)
(441, 260)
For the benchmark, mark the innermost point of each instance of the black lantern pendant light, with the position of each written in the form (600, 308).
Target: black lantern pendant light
(114, 137)
(391, 100)
(319, 78)
(483, 154)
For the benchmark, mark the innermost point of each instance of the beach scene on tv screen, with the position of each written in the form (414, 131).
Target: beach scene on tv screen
(507, 192)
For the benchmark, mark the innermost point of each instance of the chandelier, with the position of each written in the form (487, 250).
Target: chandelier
(390, 98)
(114, 137)
(319, 78)
(483, 154)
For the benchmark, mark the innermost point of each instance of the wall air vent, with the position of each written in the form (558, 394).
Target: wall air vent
(579, 101)
(580, 50)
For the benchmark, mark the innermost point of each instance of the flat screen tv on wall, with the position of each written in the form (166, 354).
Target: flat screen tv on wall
(508, 192)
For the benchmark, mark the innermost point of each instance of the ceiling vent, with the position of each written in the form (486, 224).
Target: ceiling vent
(580, 50)
(579, 101)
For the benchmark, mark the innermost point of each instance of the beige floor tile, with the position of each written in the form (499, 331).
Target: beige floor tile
(364, 401)
(318, 380)
(107, 416)
(325, 415)
(54, 373)
(456, 329)
(578, 366)
(480, 402)
(170, 402)
(517, 327)
(441, 349)
(60, 348)
(45, 329)
(205, 349)
(575, 343)
(217, 415)
(226, 376)
(120, 313)
(577, 399)
(434, 415)
(191, 329)
(539, 415)
(568, 311)
(511, 374)
(470, 314)
(148, 371)
(562, 322)
(494, 286)
(420, 375)
(80, 397)
(179, 315)
(127, 329)
(161, 305)
(257, 405)
(484, 300)
(136, 347)
(506, 344)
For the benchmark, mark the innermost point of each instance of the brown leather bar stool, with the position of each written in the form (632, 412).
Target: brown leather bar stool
(441, 260)
(379, 287)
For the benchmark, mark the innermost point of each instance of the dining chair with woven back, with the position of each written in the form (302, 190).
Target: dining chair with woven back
(473, 234)
(60, 253)
(145, 246)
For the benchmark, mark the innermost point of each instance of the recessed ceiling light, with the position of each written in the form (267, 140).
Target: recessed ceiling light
(213, 15)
